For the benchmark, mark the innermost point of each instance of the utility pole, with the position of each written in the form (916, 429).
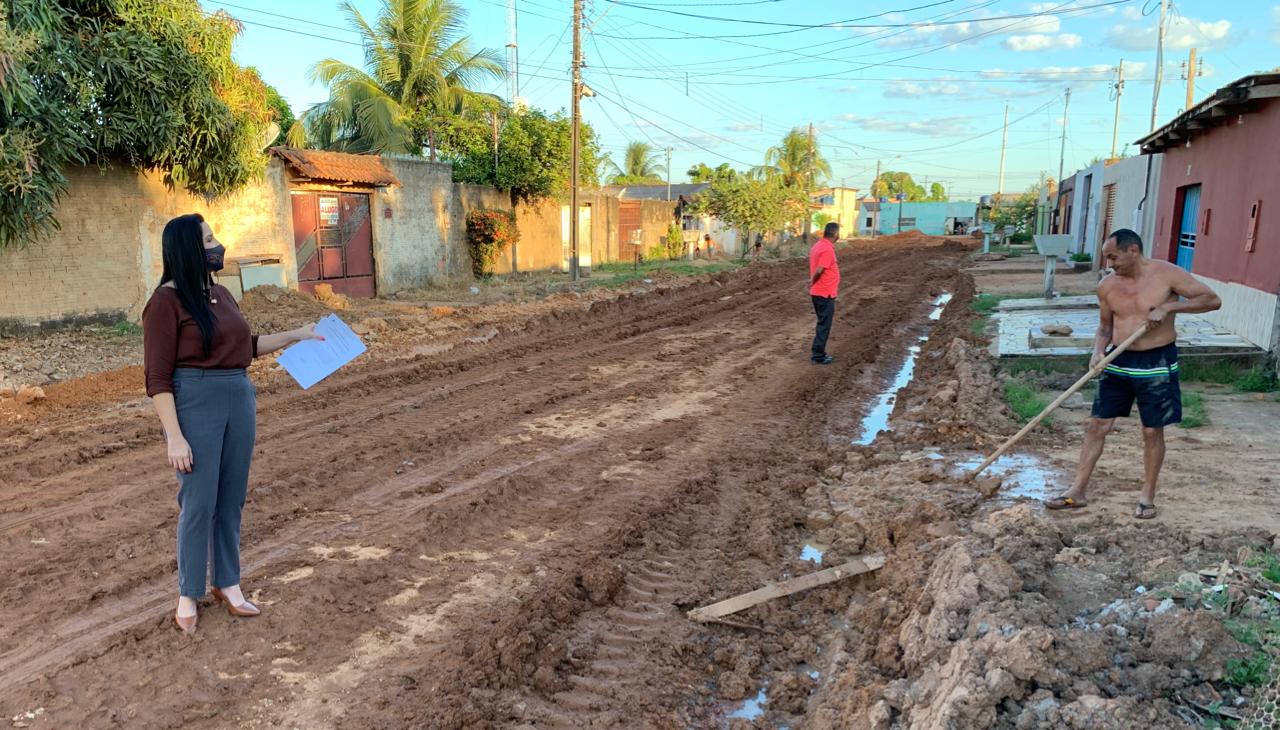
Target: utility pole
(575, 121)
(1004, 138)
(1062, 152)
(513, 53)
(1115, 125)
(1190, 73)
(1160, 31)
(876, 218)
(668, 174)
(686, 83)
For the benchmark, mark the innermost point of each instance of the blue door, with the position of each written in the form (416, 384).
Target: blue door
(1187, 226)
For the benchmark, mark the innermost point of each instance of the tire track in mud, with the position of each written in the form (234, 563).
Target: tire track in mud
(503, 467)
(123, 611)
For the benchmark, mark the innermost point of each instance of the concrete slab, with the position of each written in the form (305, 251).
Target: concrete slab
(1088, 301)
(1019, 335)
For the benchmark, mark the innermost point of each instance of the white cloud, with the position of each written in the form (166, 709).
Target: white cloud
(936, 127)
(1181, 34)
(1132, 13)
(913, 90)
(973, 30)
(849, 89)
(743, 127)
(1041, 42)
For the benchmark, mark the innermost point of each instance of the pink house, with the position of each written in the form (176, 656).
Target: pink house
(1218, 213)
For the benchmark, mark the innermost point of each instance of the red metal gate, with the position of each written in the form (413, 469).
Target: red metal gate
(334, 242)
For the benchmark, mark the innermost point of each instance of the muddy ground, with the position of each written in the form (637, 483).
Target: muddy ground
(499, 518)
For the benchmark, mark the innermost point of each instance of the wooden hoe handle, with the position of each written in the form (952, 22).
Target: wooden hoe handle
(1093, 372)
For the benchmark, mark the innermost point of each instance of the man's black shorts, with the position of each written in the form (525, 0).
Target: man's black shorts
(1148, 376)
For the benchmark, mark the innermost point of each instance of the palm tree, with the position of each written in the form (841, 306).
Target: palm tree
(419, 67)
(797, 160)
(640, 163)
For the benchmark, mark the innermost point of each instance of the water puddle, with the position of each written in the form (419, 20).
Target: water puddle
(753, 707)
(812, 553)
(1025, 475)
(876, 421)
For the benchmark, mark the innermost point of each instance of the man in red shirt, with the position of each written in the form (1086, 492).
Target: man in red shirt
(824, 282)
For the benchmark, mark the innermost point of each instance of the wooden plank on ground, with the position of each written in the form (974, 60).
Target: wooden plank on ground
(857, 566)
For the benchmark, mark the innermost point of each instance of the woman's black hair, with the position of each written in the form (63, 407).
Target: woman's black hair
(185, 266)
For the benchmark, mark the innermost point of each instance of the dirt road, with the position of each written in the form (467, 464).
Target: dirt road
(505, 533)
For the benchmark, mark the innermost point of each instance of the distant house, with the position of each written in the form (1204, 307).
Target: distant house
(840, 205)
(869, 218)
(1065, 206)
(1219, 202)
(639, 206)
(1106, 196)
(934, 218)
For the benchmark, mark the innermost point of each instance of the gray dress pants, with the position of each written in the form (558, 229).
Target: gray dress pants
(217, 411)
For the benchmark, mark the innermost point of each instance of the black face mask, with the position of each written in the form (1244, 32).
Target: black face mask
(213, 257)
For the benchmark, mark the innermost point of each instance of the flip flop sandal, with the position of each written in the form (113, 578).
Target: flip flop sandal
(1145, 512)
(1065, 503)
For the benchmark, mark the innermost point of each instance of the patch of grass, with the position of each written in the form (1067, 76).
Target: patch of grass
(1008, 251)
(1194, 413)
(1257, 380)
(1042, 366)
(1023, 400)
(1244, 632)
(978, 327)
(1223, 372)
(1252, 672)
(119, 329)
(1270, 564)
(985, 303)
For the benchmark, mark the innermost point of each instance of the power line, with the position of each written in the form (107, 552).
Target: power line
(851, 23)
(682, 139)
(803, 53)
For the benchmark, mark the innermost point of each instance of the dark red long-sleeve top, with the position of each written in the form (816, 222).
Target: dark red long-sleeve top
(171, 339)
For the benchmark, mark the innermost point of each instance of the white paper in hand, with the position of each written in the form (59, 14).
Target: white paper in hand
(311, 361)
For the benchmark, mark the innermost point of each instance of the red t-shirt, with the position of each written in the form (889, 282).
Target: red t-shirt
(823, 254)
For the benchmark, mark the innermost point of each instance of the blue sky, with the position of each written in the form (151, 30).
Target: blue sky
(919, 84)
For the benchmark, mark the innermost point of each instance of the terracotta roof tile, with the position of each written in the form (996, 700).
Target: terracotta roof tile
(337, 166)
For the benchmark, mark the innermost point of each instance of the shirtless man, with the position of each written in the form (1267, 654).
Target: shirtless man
(1140, 293)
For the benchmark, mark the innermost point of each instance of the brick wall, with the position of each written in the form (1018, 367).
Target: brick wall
(106, 259)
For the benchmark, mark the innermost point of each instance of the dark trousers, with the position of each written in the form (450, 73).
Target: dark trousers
(825, 308)
(217, 413)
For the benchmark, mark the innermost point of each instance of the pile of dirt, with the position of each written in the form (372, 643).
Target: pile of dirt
(57, 356)
(273, 309)
(911, 238)
(994, 615)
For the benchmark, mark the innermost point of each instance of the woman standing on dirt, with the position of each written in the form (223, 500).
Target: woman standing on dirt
(197, 346)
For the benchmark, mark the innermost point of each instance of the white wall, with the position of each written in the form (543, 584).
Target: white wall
(1130, 178)
(1251, 313)
(1090, 180)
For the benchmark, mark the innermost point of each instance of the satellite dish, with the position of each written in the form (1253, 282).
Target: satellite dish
(273, 131)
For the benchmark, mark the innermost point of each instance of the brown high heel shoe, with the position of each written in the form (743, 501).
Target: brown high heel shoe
(244, 610)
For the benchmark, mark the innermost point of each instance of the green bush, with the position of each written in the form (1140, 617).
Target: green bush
(674, 242)
(489, 233)
(1023, 400)
(1253, 672)
(1081, 257)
